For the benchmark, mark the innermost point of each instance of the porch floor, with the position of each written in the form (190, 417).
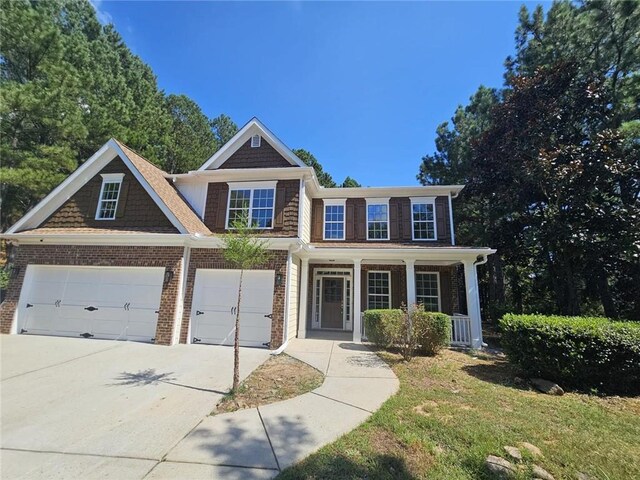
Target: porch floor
(332, 335)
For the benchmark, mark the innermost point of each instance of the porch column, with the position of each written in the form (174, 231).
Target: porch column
(304, 304)
(411, 282)
(473, 302)
(357, 307)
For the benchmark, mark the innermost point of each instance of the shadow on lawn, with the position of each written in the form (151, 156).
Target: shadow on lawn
(498, 371)
(340, 467)
(150, 377)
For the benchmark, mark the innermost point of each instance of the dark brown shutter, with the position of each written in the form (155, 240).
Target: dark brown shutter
(280, 204)
(394, 220)
(122, 198)
(361, 220)
(92, 201)
(223, 194)
(350, 221)
(445, 292)
(396, 289)
(440, 216)
(406, 219)
(317, 221)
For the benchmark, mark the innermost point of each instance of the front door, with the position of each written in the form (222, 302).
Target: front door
(332, 303)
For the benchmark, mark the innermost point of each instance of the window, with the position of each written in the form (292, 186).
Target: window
(424, 218)
(427, 290)
(253, 202)
(378, 290)
(109, 193)
(334, 220)
(255, 141)
(378, 219)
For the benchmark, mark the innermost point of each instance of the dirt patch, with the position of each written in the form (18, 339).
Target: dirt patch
(279, 378)
(413, 456)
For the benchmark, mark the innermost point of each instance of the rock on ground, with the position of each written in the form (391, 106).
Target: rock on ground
(532, 449)
(541, 473)
(545, 386)
(500, 466)
(513, 452)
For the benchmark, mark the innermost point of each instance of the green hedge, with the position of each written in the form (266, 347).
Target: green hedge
(577, 352)
(430, 331)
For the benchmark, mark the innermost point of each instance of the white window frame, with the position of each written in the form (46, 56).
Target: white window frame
(108, 178)
(252, 186)
(333, 202)
(316, 315)
(437, 274)
(256, 144)
(424, 201)
(369, 294)
(378, 201)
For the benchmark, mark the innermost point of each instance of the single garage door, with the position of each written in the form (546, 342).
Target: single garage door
(118, 303)
(215, 299)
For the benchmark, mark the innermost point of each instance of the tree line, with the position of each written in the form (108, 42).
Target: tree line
(68, 84)
(552, 165)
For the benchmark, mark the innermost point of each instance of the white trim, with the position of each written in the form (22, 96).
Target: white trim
(252, 187)
(334, 202)
(301, 204)
(108, 178)
(253, 127)
(453, 235)
(345, 274)
(287, 300)
(424, 201)
(377, 201)
(258, 143)
(388, 272)
(437, 274)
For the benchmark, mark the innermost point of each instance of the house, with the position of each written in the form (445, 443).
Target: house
(123, 250)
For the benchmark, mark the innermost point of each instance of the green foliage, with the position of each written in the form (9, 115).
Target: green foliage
(350, 183)
(242, 247)
(307, 157)
(223, 129)
(417, 330)
(578, 352)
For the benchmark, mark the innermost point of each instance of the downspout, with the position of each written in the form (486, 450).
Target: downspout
(285, 330)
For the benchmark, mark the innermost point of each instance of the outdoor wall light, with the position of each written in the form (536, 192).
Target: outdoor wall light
(278, 279)
(168, 276)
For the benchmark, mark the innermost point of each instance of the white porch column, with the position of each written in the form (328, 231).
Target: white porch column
(473, 303)
(357, 295)
(411, 282)
(304, 304)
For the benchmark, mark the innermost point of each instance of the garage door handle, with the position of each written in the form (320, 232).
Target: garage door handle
(269, 315)
(91, 308)
(199, 312)
(29, 305)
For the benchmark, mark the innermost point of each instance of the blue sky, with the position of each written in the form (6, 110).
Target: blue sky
(362, 86)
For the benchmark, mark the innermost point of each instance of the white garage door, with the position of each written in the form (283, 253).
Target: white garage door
(215, 297)
(119, 303)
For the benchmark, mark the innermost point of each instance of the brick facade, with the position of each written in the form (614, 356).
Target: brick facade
(400, 227)
(136, 209)
(287, 201)
(213, 259)
(86, 255)
(264, 156)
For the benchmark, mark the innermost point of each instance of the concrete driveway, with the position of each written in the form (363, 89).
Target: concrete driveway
(74, 408)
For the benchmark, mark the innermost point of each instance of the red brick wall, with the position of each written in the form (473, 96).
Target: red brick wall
(213, 259)
(264, 156)
(88, 255)
(136, 209)
(286, 206)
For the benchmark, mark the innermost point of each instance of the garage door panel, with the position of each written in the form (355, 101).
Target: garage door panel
(125, 300)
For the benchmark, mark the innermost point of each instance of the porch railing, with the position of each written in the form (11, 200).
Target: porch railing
(460, 330)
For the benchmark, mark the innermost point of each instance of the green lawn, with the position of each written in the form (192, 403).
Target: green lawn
(454, 410)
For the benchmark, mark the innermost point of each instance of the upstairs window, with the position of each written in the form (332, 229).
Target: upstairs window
(377, 219)
(109, 194)
(378, 290)
(253, 202)
(255, 141)
(428, 291)
(334, 220)
(423, 212)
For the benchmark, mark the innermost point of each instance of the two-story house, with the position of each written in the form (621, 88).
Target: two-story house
(123, 250)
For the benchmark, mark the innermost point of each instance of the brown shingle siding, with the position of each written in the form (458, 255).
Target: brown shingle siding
(264, 156)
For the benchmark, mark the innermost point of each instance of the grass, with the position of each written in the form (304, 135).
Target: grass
(279, 378)
(455, 409)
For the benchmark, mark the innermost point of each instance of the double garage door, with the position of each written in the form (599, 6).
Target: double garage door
(118, 303)
(215, 301)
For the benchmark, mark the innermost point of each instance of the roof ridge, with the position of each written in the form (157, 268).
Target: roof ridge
(127, 147)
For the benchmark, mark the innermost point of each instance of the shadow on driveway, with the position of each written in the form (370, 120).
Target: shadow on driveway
(150, 377)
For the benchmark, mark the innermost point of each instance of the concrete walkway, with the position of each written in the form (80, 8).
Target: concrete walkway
(257, 443)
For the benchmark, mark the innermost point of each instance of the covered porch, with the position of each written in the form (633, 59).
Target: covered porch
(338, 284)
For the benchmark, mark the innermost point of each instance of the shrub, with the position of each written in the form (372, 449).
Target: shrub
(579, 352)
(426, 332)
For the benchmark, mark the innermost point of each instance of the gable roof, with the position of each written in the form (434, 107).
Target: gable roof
(153, 180)
(253, 127)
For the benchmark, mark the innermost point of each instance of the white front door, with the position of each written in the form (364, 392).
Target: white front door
(119, 303)
(215, 299)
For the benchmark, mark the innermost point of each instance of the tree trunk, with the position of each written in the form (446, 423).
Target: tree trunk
(605, 294)
(236, 341)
